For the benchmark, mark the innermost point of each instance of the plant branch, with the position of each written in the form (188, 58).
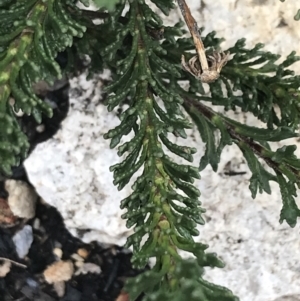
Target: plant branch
(194, 30)
(206, 73)
(261, 151)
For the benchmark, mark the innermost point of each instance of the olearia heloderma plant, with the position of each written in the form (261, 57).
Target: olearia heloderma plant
(148, 60)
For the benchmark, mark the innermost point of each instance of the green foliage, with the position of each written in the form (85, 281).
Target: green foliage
(108, 4)
(192, 286)
(253, 143)
(31, 35)
(144, 58)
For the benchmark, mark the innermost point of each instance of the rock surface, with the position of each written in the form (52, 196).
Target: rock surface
(68, 172)
(71, 171)
(21, 198)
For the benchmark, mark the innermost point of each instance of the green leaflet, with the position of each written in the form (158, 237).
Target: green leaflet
(260, 177)
(108, 4)
(258, 134)
(144, 283)
(286, 155)
(163, 208)
(253, 142)
(192, 286)
(290, 211)
(206, 130)
(182, 151)
(297, 16)
(143, 56)
(34, 33)
(225, 137)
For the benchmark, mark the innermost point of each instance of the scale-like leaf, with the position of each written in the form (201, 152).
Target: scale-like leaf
(290, 211)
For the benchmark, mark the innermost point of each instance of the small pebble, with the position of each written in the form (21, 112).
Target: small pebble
(59, 271)
(77, 257)
(79, 264)
(5, 268)
(88, 268)
(40, 128)
(22, 198)
(36, 223)
(32, 283)
(84, 253)
(114, 251)
(58, 252)
(23, 240)
(60, 288)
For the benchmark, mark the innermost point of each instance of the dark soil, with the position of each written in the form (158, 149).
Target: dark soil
(27, 284)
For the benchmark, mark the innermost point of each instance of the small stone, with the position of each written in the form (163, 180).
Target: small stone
(88, 268)
(82, 252)
(32, 283)
(77, 257)
(23, 240)
(58, 252)
(114, 251)
(36, 224)
(5, 268)
(22, 198)
(60, 288)
(59, 271)
(79, 264)
(40, 128)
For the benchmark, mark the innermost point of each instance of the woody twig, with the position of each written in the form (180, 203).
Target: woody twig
(198, 65)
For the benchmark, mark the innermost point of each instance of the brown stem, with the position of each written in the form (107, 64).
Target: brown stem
(194, 30)
(255, 147)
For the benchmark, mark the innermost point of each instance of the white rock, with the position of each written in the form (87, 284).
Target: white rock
(22, 198)
(71, 172)
(78, 181)
(23, 240)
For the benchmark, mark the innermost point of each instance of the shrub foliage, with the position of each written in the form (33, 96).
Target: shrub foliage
(143, 56)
